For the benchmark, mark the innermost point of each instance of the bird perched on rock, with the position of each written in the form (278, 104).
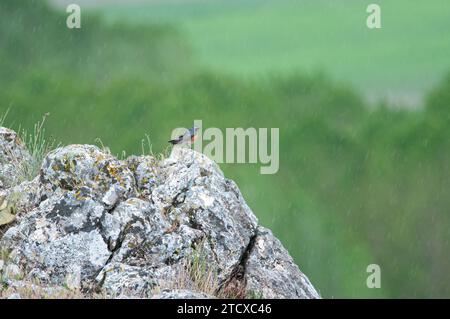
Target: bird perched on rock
(186, 138)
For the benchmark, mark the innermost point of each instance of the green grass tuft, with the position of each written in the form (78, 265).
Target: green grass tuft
(38, 145)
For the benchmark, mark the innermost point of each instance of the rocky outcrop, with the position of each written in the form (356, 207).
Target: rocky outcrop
(141, 228)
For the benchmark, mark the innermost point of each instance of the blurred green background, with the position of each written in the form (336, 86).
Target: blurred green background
(364, 115)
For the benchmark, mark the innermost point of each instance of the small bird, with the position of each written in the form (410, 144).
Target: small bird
(186, 138)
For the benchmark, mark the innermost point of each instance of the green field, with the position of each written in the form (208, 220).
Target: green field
(357, 185)
(249, 38)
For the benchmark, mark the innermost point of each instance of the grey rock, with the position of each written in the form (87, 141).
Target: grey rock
(146, 172)
(75, 167)
(135, 228)
(60, 233)
(122, 280)
(196, 193)
(112, 196)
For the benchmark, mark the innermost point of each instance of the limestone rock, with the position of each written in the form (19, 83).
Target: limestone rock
(140, 228)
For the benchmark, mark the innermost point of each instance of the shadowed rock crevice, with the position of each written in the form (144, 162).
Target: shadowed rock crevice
(235, 285)
(129, 227)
